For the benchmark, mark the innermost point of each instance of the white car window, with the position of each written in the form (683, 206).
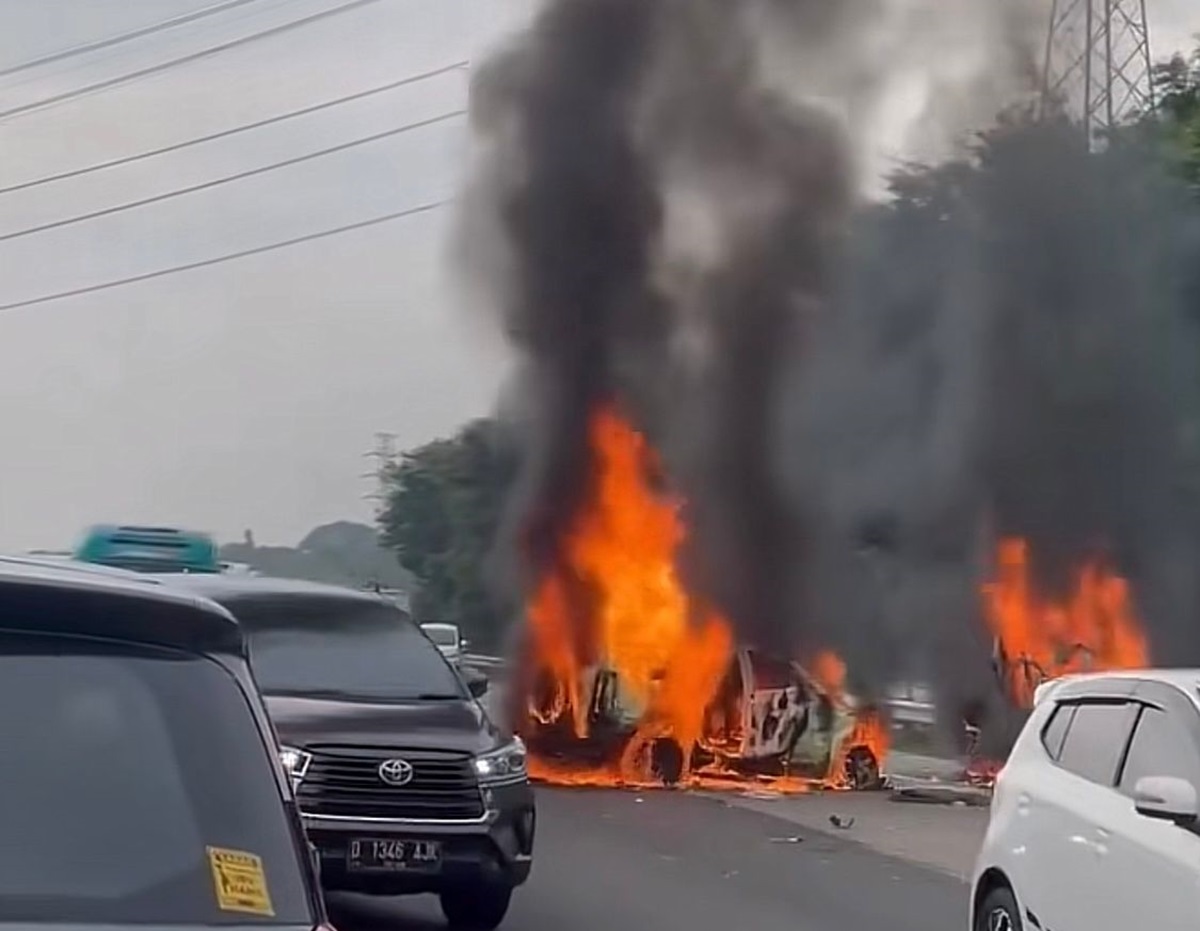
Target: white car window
(1161, 746)
(1056, 729)
(1095, 741)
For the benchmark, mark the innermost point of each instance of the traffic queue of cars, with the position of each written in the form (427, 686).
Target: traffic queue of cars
(202, 749)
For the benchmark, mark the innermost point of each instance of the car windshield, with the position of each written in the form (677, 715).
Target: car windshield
(443, 636)
(342, 648)
(137, 780)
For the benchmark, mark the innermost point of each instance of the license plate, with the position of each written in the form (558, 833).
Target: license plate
(369, 854)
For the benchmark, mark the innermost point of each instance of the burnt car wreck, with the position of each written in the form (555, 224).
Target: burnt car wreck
(770, 718)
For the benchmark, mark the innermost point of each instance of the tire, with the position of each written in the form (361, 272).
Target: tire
(862, 769)
(666, 761)
(476, 908)
(998, 912)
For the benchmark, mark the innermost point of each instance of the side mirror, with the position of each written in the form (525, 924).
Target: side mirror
(463, 644)
(1166, 798)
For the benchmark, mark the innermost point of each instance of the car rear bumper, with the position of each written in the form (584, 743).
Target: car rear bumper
(496, 849)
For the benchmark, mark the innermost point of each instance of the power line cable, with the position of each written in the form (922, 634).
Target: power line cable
(183, 60)
(233, 131)
(229, 257)
(123, 37)
(227, 179)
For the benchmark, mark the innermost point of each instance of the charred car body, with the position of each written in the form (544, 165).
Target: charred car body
(769, 717)
(1020, 676)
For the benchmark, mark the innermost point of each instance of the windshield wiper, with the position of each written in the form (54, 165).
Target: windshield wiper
(311, 693)
(382, 697)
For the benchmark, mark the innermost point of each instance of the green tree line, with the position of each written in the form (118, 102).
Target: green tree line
(443, 511)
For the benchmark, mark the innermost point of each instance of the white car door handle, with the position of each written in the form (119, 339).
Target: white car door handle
(1081, 841)
(1100, 844)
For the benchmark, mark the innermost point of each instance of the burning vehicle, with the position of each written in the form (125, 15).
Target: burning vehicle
(771, 718)
(625, 677)
(1092, 627)
(1035, 639)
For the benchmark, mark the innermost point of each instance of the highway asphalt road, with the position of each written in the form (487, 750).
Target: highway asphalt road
(661, 861)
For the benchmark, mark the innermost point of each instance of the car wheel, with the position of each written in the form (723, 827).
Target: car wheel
(666, 760)
(998, 912)
(862, 769)
(476, 908)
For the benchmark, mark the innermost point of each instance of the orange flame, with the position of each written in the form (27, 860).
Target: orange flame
(1096, 628)
(668, 650)
(614, 622)
(830, 672)
(869, 732)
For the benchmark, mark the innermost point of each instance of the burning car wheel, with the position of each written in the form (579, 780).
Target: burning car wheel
(862, 769)
(666, 760)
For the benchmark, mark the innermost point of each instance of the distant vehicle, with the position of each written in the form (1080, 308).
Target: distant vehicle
(769, 716)
(1094, 817)
(910, 706)
(150, 549)
(404, 783)
(446, 637)
(238, 568)
(182, 816)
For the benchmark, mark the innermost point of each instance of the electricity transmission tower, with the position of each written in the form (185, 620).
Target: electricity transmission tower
(1097, 63)
(384, 455)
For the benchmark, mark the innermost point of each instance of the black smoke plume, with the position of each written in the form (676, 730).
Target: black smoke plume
(856, 399)
(1011, 361)
(576, 206)
(667, 219)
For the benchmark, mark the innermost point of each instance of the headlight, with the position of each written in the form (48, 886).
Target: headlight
(504, 766)
(295, 762)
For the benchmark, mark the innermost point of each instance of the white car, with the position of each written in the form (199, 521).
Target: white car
(1094, 817)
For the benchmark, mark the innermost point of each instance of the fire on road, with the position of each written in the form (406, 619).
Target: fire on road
(628, 678)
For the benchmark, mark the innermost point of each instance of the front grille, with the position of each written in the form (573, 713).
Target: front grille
(345, 781)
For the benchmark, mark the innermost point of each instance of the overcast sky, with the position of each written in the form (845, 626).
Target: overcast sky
(242, 395)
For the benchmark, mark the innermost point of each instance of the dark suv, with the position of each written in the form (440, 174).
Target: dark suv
(142, 779)
(404, 783)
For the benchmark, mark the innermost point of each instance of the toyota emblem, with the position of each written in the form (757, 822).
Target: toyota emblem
(396, 772)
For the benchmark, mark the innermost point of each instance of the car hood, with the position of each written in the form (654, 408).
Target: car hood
(435, 725)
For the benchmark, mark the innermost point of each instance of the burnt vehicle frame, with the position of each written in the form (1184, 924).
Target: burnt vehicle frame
(770, 717)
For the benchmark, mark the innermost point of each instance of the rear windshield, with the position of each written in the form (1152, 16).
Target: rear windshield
(342, 648)
(134, 781)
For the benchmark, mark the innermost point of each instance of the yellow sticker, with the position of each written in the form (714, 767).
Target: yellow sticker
(240, 882)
